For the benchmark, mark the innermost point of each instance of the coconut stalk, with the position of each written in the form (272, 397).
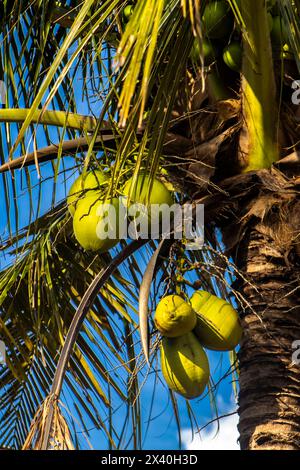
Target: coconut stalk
(258, 140)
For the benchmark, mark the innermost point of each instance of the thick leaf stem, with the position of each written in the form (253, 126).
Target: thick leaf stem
(53, 118)
(258, 138)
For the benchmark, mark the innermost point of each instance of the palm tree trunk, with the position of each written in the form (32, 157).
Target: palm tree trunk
(269, 400)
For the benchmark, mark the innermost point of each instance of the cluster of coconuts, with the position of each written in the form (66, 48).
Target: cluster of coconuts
(90, 210)
(222, 40)
(206, 321)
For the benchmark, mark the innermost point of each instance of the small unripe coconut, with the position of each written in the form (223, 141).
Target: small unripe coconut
(89, 226)
(217, 19)
(233, 55)
(127, 12)
(209, 50)
(279, 34)
(146, 209)
(184, 365)
(218, 325)
(91, 181)
(159, 192)
(174, 317)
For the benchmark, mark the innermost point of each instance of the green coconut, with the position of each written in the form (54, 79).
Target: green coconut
(184, 365)
(279, 34)
(91, 181)
(159, 193)
(92, 220)
(209, 50)
(233, 56)
(144, 209)
(127, 12)
(174, 317)
(217, 19)
(218, 325)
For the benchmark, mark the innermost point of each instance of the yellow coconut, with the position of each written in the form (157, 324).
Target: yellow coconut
(94, 219)
(174, 317)
(144, 208)
(184, 365)
(159, 193)
(79, 189)
(218, 325)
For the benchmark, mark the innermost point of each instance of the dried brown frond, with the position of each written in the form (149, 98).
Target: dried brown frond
(60, 436)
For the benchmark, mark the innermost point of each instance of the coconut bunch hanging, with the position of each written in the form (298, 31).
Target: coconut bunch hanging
(222, 43)
(95, 216)
(205, 321)
(217, 123)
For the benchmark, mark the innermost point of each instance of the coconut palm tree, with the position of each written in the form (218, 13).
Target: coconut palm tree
(225, 135)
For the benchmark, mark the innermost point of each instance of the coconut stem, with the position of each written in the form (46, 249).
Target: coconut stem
(258, 144)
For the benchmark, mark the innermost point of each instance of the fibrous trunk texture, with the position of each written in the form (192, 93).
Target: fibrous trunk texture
(269, 400)
(260, 223)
